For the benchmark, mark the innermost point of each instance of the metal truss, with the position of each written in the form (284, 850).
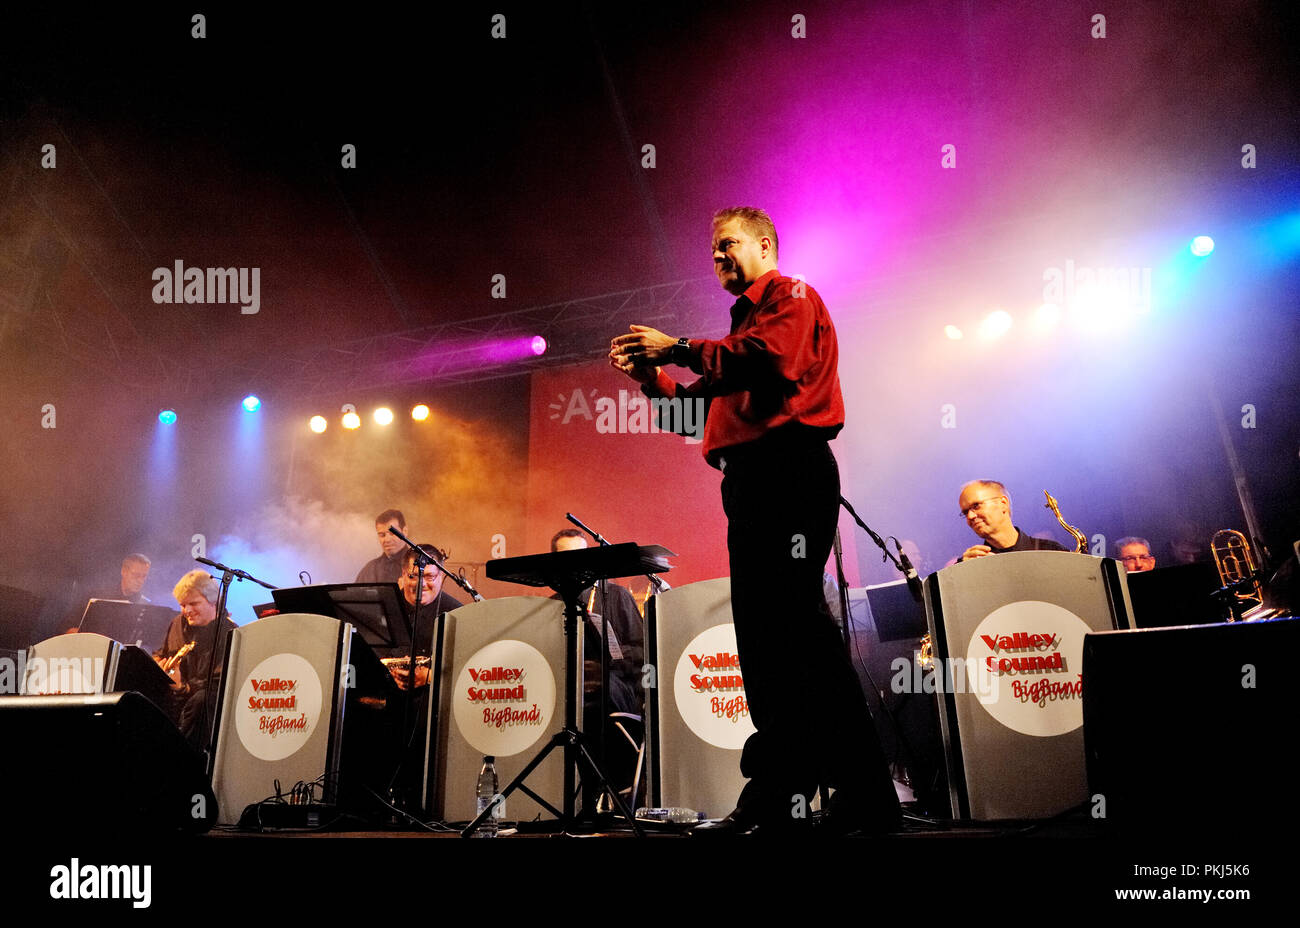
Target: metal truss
(576, 330)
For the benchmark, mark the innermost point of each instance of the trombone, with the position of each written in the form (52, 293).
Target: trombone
(1242, 588)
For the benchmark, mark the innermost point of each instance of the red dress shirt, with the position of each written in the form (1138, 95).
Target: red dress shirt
(778, 367)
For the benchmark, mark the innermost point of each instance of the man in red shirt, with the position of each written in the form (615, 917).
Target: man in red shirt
(773, 394)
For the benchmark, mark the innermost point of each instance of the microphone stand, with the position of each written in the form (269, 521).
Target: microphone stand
(228, 576)
(655, 582)
(905, 568)
(844, 594)
(461, 582)
(409, 715)
(913, 584)
(604, 649)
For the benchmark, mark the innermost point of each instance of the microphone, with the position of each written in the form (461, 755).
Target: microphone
(913, 581)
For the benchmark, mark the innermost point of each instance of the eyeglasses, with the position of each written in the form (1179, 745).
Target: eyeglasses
(975, 506)
(1142, 558)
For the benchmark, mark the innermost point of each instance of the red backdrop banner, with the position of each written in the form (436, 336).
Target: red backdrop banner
(589, 453)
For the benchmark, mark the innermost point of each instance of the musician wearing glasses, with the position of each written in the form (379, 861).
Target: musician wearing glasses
(433, 600)
(1135, 553)
(986, 507)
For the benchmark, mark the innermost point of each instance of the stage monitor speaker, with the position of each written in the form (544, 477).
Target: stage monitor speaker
(304, 699)
(90, 764)
(1008, 634)
(1188, 728)
(697, 713)
(498, 691)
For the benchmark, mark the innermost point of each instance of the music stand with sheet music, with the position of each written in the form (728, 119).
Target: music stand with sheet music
(569, 573)
(140, 624)
(374, 608)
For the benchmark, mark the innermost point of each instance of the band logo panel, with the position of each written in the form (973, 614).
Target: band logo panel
(279, 706)
(504, 698)
(710, 691)
(1035, 652)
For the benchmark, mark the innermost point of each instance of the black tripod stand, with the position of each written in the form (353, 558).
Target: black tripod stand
(569, 573)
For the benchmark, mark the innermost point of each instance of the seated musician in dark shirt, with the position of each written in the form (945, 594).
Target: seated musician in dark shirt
(626, 638)
(626, 657)
(1135, 553)
(188, 648)
(433, 601)
(986, 507)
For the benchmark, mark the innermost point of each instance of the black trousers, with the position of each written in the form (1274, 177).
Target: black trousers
(813, 725)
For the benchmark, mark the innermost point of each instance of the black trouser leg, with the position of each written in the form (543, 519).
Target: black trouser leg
(813, 725)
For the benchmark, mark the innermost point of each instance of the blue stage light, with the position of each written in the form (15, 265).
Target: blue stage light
(1202, 245)
(252, 403)
(167, 417)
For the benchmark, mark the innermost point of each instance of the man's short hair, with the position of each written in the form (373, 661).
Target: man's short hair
(433, 551)
(565, 533)
(754, 220)
(1131, 540)
(136, 559)
(391, 515)
(197, 581)
(991, 484)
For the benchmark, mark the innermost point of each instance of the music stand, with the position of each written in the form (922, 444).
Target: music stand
(375, 609)
(139, 624)
(569, 573)
(897, 614)
(1181, 594)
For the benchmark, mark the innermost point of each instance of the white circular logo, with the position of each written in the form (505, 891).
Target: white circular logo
(504, 698)
(709, 690)
(1032, 653)
(278, 706)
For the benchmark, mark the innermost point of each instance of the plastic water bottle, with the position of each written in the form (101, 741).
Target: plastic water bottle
(485, 789)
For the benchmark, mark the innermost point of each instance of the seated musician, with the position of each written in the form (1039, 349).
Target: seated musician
(191, 639)
(433, 601)
(626, 634)
(1135, 553)
(986, 507)
(626, 657)
(135, 571)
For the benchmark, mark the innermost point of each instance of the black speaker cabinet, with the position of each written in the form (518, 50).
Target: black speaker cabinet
(1190, 728)
(84, 764)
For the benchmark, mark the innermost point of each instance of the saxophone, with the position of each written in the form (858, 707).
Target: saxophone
(1080, 541)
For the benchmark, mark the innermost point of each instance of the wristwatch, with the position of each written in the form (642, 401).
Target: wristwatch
(680, 353)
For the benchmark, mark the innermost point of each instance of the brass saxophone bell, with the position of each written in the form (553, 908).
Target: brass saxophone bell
(1080, 540)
